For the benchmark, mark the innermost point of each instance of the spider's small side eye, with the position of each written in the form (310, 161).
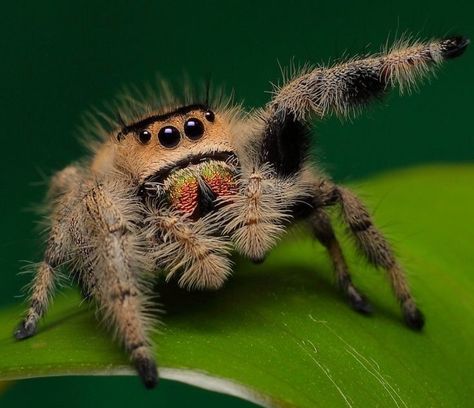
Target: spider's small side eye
(169, 136)
(209, 115)
(193, 128)
(144, 136)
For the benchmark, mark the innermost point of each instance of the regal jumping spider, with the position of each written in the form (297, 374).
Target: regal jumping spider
(172, 188)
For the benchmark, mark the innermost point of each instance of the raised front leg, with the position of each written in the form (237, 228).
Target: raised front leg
(343, 90)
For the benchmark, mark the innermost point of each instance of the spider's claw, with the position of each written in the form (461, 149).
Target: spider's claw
(25, 330)
(148, 372)
(362, 306)
(453, 47)
(358, 301)
(259, 260)
(413, 316)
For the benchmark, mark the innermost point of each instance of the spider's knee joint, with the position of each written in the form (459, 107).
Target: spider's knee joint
(122, 295)
(329, 195)
(360, 225)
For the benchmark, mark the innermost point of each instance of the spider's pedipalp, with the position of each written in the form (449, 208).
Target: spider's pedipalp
(118, 259)
(193, 248)
(256, 217)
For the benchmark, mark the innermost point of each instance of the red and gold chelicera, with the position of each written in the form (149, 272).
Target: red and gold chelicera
(185, 188)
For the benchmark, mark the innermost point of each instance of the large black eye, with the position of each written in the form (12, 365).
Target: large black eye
(144, 136)
(193, 128)
(169, 136)
(209, 115)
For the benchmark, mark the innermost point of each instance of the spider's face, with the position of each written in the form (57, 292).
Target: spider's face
(186, 153)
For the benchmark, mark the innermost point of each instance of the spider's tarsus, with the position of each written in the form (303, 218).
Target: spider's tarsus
(362, 306)
(258, 260)
(148, 372)
(24, 331)
(453, 47)
(414, 318)
(359, 302)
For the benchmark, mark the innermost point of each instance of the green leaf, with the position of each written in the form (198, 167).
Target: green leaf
(281, 334)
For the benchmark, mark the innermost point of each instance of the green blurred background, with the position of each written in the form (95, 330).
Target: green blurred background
(60, 58)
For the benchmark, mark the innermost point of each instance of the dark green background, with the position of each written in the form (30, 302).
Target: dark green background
(60, 58)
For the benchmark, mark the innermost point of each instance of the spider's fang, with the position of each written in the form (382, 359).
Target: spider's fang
(206, 197)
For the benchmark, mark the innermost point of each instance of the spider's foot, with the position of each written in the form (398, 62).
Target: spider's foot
(413, 316)
(258, 260)
(358, 301)
(453, 47)
(25, 330)
(147, 371)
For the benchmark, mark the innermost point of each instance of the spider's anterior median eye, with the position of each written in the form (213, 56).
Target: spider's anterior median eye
(193, 128)
(209, 115)
(144, 136)
(169, 136)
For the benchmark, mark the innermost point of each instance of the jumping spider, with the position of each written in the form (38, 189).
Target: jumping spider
(172, 188)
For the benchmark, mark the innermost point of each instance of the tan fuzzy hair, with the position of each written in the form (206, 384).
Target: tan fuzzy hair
(114, 140)
(256, 217)
(191, 251)
(145, 160)
(323, 90)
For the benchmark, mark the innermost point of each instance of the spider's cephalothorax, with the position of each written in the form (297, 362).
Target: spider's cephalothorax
(173, 188)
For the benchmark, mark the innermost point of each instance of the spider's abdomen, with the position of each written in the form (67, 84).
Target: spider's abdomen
(194, 189)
